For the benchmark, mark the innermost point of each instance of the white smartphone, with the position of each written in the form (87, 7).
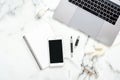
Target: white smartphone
(56, 52)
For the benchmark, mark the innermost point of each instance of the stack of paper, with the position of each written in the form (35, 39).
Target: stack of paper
(37, 41)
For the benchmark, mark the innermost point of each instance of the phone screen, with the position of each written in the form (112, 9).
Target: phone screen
(56, 52)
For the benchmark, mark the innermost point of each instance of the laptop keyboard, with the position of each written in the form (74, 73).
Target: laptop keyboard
(104, 9)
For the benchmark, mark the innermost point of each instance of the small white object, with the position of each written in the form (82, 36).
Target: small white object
(41, 12)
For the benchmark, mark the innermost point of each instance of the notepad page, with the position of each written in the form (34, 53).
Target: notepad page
(38, 41)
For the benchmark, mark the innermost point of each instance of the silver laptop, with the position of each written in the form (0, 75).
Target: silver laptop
(97, 18)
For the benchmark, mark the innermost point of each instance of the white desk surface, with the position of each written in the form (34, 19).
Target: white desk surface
(17, 62)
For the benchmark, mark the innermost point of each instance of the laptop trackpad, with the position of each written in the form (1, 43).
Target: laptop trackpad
(86, 22)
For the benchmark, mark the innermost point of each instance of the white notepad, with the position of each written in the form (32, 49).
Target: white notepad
(37, 41)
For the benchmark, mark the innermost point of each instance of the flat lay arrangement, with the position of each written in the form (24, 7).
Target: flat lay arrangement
(55, 40)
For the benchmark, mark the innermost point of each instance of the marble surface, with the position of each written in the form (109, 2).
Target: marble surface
(17, 63)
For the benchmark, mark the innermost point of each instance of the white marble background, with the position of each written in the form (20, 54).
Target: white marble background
(16, 61)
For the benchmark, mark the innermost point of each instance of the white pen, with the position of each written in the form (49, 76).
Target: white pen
(26, 41)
